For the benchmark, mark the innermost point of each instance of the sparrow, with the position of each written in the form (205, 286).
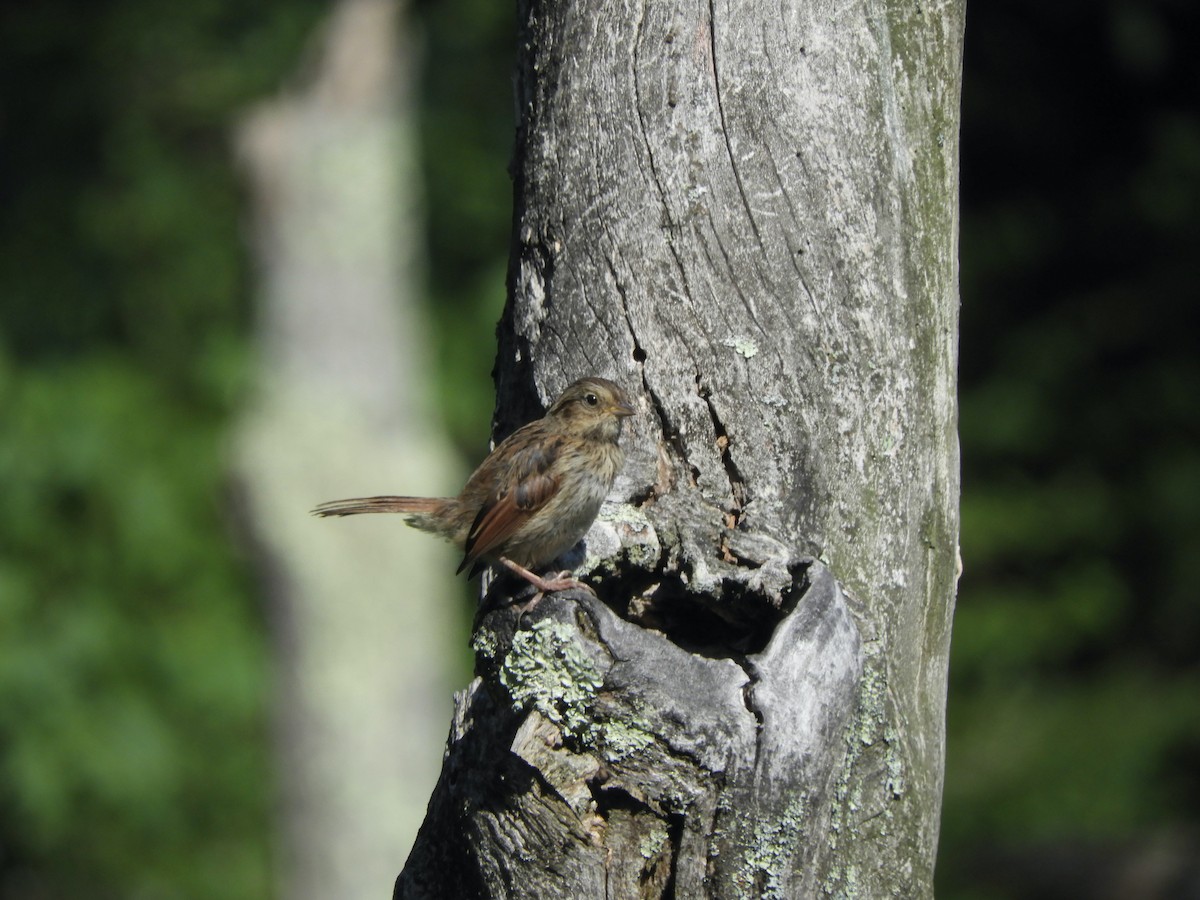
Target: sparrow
(534, 496)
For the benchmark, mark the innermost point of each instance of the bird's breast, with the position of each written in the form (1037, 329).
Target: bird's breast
(584, 483)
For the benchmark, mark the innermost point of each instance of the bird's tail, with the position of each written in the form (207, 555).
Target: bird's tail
(419, 509)
(410, 505)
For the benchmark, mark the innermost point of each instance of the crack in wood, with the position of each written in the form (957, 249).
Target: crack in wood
(738, 490)
(737, 175)
(752, 678)
(675, 826)
(671, 439)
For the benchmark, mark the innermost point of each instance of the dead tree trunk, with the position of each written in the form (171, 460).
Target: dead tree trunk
(746, 213)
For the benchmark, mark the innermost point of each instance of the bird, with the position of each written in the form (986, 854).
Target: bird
(534, 496)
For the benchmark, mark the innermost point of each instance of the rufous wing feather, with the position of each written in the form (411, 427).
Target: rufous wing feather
(506, 511)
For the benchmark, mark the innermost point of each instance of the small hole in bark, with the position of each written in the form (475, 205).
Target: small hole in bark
(639, 355)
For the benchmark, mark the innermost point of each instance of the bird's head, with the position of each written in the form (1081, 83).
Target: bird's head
(592, 407)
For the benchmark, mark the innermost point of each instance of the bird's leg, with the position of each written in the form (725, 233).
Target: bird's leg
(560, 582)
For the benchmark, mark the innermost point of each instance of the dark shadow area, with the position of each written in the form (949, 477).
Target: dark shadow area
(1072, 718)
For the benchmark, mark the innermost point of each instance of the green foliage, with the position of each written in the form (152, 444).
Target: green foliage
(1063, 757)
(1074, 673)
(133, 734)
(133, 672)
(466, 139)
(132, 660)
(121, 214)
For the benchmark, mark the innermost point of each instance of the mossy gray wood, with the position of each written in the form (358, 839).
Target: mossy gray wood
(747, 214)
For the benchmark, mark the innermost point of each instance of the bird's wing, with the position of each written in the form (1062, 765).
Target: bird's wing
(525, 487)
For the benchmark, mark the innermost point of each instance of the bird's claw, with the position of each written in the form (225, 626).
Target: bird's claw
(564, 582)
(560, 582)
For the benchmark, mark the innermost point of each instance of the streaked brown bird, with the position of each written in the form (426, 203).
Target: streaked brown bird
(534, 496)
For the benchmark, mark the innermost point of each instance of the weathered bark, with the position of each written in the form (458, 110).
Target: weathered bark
(746, 212)
(361, 662)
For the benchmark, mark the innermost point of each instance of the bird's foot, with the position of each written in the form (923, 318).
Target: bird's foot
(564, 582)
(560, 582)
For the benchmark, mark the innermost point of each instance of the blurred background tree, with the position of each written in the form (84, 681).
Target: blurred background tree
(133, 670)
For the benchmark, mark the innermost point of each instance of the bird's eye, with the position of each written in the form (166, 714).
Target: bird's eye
(591, 399)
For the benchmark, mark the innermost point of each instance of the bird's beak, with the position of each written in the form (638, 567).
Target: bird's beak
(623, 411)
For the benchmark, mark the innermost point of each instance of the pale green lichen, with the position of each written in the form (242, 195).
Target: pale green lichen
(632, 537)
(547, 670)
(895, 767)
(843, 883)
(743, 346)
(872, 705)
(485, 643)
(854, 802)
(624, 514)
(869, 728)
(768, 860)
(620, 739)
(872, 725)
(652, 841)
